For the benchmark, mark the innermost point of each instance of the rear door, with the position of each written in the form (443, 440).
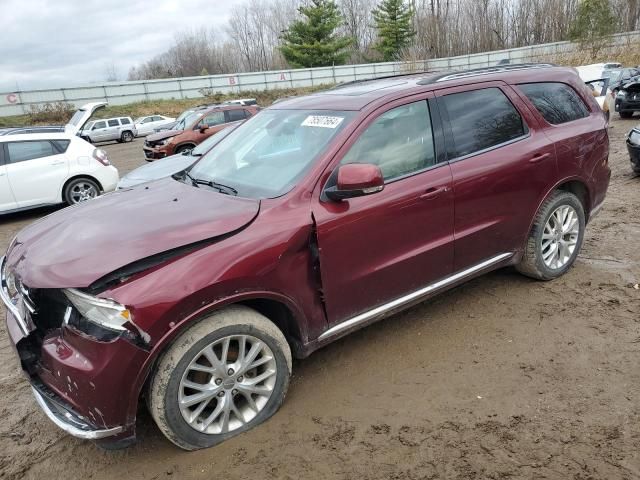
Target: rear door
(7, 201)
(113, 129)
(37, 170)
(502, 165)
(381, 247)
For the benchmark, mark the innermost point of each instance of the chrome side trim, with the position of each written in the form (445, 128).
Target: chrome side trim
(382, 310)
(4, 296)
(71, 425)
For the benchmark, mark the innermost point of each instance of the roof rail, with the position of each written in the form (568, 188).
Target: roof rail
(485, 71)
(396, 75)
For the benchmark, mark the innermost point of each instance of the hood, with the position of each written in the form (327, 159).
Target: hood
(79, 245)
(155, 137)
(157, 169)
(82, 115)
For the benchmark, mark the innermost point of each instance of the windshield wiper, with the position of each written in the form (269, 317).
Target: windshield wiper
(194, 182)
(226, 189)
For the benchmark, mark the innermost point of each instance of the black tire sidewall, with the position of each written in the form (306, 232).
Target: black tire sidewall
(172, 413)
(562, 199)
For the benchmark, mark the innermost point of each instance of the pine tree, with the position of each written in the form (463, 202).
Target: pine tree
(312, 41)
(393, 20)
(593, 22)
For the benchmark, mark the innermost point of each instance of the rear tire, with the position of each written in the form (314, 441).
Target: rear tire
(80, 190)
(126, 137)
(207, 361)
(555, 238)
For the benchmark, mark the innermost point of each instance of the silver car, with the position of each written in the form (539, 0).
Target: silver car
(120, 129)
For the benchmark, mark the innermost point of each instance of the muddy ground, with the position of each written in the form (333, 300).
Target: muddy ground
(503, 377)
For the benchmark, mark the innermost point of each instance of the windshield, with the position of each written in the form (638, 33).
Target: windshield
(184, 115)
(188, 120)
(211, 142)
(139, 119)
(612, 74)
(267, 155)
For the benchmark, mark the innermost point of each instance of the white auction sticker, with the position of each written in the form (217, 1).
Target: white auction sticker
(322, 121)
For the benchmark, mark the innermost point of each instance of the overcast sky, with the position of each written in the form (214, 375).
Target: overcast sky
(53, 43)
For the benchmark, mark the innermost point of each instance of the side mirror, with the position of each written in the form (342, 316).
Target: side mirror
(203, 128)
(356, 180)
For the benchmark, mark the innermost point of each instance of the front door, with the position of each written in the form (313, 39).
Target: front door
(502, 166)
(99, 131)
(378, 248)
(36, 171)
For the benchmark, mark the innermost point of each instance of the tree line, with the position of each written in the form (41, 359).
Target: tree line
(276, 34)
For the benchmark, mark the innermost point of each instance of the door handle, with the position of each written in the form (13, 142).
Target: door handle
(538, 157)
(53, 164)
(433, 192)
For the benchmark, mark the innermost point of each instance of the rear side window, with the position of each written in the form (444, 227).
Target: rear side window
(125, 121)
(557, 102)
(113, 123)
(213, 119)
(23, 151)
(60, 145)
(236, 115)
(482, 119)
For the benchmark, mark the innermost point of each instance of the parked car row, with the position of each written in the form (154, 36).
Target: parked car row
(319, 215)
(193, 129)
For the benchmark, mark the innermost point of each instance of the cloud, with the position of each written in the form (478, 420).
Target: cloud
(54, 43)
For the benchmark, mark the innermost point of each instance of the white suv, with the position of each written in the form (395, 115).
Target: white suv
(50, 168)
(121, 129)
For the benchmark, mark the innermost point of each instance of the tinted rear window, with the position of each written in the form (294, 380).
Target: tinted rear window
(113, 123)
(481, 119)
(557, 102)
(125, 121)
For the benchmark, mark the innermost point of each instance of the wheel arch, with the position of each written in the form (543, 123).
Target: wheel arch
(280, 310)
(183, 144)
(76, 177)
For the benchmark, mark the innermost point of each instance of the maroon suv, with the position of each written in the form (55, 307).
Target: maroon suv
(318, 216)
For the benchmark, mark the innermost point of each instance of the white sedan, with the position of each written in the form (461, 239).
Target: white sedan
(145, 125)
(50, 168)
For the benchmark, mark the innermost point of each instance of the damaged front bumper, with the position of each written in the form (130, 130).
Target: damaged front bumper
(67, 419)
(83, 385)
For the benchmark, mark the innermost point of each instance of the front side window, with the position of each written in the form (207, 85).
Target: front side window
(481, 119)
(99, 125)
(400, 142)
(557, 102)
(23, 151)
(268, 154)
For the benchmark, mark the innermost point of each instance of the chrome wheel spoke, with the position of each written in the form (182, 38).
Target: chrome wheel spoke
(560, 237)
(227, 384)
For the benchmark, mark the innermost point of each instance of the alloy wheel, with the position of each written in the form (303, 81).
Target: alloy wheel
(83, 191)
(560, 237)
(227, 384)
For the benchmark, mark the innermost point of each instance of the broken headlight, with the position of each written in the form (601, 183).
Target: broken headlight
(101, 311)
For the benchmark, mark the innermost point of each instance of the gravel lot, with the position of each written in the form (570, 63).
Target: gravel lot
(502, 377)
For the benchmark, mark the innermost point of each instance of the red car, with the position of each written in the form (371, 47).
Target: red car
(316, 217)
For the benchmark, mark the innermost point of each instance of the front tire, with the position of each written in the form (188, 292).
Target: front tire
(555, 238)
(224, 375)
